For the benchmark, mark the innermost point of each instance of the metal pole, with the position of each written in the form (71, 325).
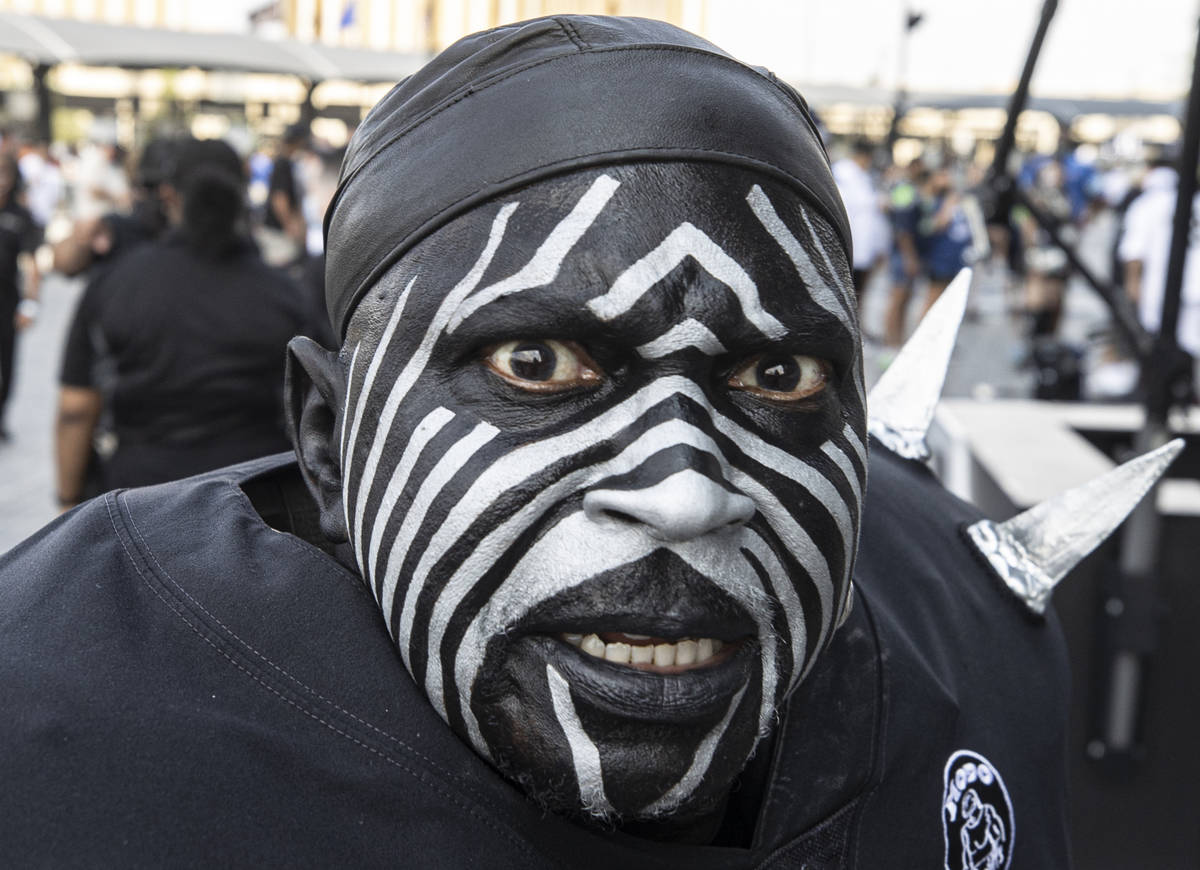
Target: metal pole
(307, 110)
(1000, 193)
(1020, 97)
(901, 76)
(1159, 393)
(1124, 314)
(45, 108)
(1133, 607)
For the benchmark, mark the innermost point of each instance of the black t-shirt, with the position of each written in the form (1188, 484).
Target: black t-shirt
(127, 231)
(19, 234)
(84, 353)
(283, 177)
(171, 666)
(196, 352)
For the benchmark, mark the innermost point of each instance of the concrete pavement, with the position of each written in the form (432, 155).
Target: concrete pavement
(27, 496)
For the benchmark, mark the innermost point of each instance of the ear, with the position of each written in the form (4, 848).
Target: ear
(315, 394)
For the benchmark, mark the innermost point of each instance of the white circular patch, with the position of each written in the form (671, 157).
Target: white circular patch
(977, 814)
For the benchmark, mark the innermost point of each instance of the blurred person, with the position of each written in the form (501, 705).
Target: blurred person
(868, 225)
(943, 233)
(101, 182)
(284, 234)
(1046, 265)
(1145, 247)
(102, 238)
(1080, 176)
(904, 210)
(259, 165)
(195, 325)
(43, 181)
(19, 238)
(318, 168)
(1109, 373)
(87, 373)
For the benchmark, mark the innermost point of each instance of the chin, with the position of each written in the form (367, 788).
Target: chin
(612, 742)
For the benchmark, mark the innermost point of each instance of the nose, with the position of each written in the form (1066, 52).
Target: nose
(683, 506)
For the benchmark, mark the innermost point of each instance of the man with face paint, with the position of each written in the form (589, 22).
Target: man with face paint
(614, 444)
(560, 574)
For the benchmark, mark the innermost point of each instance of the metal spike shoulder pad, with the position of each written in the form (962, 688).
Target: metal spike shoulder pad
(902, 402)
(1012, 564)
(1032, 552)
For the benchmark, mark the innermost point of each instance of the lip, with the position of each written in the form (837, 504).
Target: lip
(660, 596)
(692, 695)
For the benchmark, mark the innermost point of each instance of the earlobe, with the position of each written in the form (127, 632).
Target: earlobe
(315, 387)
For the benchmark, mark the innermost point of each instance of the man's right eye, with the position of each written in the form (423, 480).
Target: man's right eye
(543, 365)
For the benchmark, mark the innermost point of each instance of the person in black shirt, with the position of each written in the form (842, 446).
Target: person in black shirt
(94, 246)
(19, 238)
(194, 327)
(285, 230)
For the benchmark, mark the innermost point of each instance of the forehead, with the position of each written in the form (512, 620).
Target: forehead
(621, 249)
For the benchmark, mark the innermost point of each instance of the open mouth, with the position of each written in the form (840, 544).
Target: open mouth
(655, 654)
(674, 694)
(652, 641)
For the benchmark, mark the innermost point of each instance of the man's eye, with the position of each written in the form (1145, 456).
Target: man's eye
(543, 365)
(782, 377)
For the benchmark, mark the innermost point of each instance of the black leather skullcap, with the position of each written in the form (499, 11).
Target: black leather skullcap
(510, 106)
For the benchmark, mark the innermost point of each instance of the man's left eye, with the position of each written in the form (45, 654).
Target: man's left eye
(543, 365)
(782, 377)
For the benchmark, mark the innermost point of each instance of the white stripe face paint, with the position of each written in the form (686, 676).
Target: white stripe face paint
(836, 303)
(450, 464)
(346, 410)
(422, 435)
(584, 754)
(822, 295)
(408, 376)
(682, 789)
(528, 461)
(690, 333)
(542, 574)
(544, 266)
(494, 513)
(686, 241)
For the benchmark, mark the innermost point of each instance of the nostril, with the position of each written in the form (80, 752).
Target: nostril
(610, 506)
(618, 516)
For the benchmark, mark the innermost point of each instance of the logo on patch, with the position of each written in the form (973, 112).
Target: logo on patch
(977, 815)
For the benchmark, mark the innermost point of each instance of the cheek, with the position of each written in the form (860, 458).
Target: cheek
(807, 529)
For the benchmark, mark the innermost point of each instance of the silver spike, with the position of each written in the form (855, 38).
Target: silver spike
(902, 402)
(1034, 550)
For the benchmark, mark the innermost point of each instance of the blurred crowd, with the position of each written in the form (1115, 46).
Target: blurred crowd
(198, 264)
(916, 224)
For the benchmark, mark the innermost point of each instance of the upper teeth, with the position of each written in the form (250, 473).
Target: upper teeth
(684, 652)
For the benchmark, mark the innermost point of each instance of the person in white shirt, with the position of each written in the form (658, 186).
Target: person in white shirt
(868, 224)
(43, 182)
(101, 184)
(1145, 247)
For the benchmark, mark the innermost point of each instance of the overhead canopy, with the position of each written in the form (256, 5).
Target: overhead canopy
(1063, 108)
(1060, 107)
(53, 41)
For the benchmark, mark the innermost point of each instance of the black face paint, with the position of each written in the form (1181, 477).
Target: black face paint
(604, 458)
